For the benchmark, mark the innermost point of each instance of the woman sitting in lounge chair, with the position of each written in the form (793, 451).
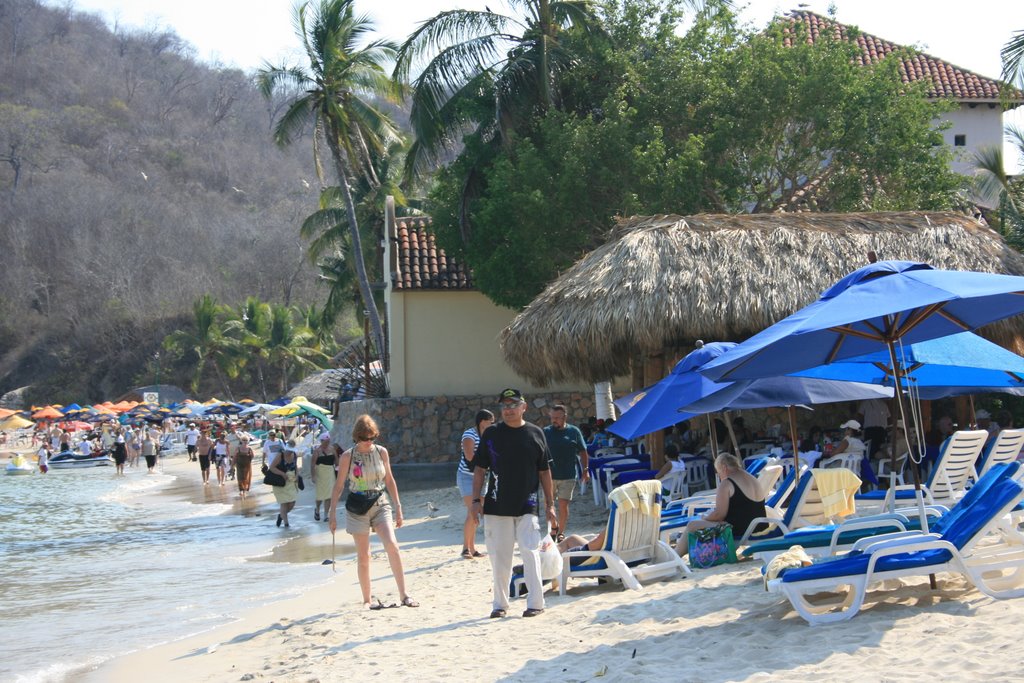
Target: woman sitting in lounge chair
(738, 501)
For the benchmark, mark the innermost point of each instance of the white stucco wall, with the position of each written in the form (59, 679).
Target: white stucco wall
(446, 343)
(982, 124)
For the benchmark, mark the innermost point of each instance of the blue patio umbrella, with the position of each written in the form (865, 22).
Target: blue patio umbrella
(658, 406)
(225, 408)
(870, 310)
(948, 366)
(684, 394)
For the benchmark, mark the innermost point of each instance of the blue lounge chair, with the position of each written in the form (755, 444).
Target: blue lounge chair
(834, 538)
(997, 572)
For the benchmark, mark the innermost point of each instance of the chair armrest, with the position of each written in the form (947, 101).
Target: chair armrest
(877, 521)
(890, 540)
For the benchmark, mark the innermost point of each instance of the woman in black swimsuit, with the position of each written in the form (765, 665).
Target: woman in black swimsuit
(738, 501)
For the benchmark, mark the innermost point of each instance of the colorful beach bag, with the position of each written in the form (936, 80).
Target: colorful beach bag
(712, 546)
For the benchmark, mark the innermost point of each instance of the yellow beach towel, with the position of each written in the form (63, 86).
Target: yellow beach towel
(640, 495)
(837, 488)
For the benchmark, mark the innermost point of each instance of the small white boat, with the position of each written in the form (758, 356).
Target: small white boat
(19, 464)
(68, 460)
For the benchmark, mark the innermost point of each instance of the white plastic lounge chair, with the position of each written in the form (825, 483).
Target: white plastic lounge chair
(948, 480)
(997, 572)
(1004, 448)
(632, 551)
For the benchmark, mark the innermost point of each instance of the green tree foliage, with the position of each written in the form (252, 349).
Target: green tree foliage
(716, 120)
(206, 342)
(268, 341)
(145, 179)
(289, 345)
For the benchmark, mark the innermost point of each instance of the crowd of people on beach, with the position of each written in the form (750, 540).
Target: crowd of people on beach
(504, 468)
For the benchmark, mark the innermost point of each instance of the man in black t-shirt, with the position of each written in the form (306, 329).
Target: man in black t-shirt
(514, 456)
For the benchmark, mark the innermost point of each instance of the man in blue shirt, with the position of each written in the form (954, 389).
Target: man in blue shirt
(565, 441)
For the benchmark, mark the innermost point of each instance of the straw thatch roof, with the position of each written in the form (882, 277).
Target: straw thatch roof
(319, 387)
(662, 282)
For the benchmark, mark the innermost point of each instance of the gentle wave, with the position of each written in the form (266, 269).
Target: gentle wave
(104, 565)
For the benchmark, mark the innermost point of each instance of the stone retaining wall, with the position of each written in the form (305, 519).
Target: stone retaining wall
(424, 429)
(427, 429)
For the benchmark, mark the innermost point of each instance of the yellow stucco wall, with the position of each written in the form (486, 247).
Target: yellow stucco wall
(446, 343)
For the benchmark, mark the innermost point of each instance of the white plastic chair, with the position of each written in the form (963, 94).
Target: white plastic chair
(676, 485)
(1004, 448)
(850, 461)
(697, 474)
(885, 469)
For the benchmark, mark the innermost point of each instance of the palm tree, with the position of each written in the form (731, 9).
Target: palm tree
(1013, 59)
(206, 342)
(993, 182)
(289, 345)
(333, 94)
(251, 328)
(320, 324)
(473, 57)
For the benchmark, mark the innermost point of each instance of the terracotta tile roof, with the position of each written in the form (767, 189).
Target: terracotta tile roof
(418, 263)
(946, 79)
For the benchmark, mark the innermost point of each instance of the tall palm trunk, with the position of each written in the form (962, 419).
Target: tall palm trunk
(223, 381)
(369, 305)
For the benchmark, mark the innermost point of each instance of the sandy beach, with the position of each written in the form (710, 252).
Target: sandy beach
(719, 625)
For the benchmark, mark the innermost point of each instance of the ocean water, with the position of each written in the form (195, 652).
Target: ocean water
(94, 565)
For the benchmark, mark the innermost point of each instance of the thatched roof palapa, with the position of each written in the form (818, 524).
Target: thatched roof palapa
(662, 282)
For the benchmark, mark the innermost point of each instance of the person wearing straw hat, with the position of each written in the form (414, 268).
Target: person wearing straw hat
(287, 466)
(985, 422)
(242, 461)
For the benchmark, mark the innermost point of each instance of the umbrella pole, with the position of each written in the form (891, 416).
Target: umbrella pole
(792, 435)
(712, 438)
(732, 434)
(974, 415)
(897, 373)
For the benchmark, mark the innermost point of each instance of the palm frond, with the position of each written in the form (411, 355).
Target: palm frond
(293, 120)
(578, 13)
(1015, 135)
(1013, 59)
(270, 77)
(992, 178)
(448, 28)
